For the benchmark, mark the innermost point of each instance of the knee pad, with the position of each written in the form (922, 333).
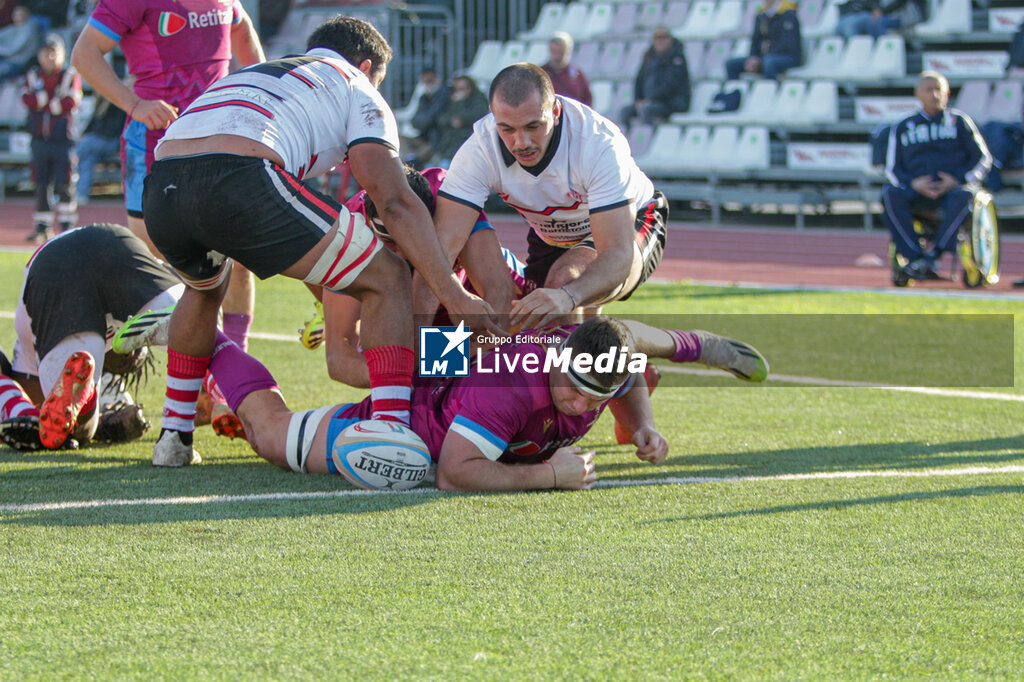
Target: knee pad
(350, 251)
(299, 441)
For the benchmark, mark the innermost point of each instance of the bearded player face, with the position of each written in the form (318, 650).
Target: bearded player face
(526, 128)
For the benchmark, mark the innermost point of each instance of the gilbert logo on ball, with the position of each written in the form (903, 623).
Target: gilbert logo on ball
(380, 455)
(444, 351)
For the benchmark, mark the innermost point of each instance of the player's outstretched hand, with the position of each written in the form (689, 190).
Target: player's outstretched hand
(155, 113)
(541, 307)
(573, 471)
(476, 313)
(650, 445)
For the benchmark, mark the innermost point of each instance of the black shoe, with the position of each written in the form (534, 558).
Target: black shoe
(21, 433)
(922, 268)
(1019, 284)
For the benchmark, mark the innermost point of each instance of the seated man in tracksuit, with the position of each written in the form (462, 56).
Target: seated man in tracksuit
(931, 155)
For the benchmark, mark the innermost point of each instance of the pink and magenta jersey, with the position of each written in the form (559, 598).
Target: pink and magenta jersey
(174, 48)
(509, 415)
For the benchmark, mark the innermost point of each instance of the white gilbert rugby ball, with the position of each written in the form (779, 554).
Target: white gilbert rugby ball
(381, 455)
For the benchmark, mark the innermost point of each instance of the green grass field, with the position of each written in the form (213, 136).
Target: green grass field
(794, 533)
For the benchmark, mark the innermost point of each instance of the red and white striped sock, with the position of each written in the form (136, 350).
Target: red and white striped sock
(14, 402)
(184, 379)
(391, 369)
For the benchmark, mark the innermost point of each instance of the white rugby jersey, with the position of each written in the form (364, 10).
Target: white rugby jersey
(309, 109)
(588, 168)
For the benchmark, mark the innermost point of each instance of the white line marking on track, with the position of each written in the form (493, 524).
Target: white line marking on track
(672, 480)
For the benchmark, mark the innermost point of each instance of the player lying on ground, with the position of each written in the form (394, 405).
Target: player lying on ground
(508, 430)
(78, 289)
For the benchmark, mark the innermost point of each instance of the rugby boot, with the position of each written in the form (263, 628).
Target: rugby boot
(21, 433)
(145, 329)
(312, 333)
(172, 451)
(225, 422)
(736, 357)
(73, 390)
(653, 376)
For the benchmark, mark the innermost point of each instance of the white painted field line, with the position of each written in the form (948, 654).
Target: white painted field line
(613, 483)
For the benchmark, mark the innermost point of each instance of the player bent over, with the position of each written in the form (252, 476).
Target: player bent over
(78, 288)
(227, 183)
(508, 430)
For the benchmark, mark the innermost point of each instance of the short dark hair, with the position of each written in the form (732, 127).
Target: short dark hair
(598, 335)
(420, 188)
(515, 83)
(354, 39)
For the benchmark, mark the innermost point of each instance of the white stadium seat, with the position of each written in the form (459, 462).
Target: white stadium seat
(973, 99)
(675, 13)
(824, 60)
(822, 102)
(649, 16)
(854, 64)
(548, 21)
(721, 149)
(603, 93)
(624, 21)
(623, 96)
(699, 21)
(599, 20)
(574, 20)
(537, 52)
(664, 149)
(694, 147)
(586, 55)
(753, 151)
(609, 62)
(700, 98)
(486, 62)
(714, 58)
(694, 51)
(1006, 102)
(889, 57)
(826, 24)
(789, 102)
(640, 139)
(728, 17)
(513, 51)
(759, 102)
(634, 58)
(951, 16)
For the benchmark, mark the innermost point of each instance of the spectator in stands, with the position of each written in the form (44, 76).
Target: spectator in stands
(101, 140)
(566, 76)
(78, 15)
(466, 105)
(52, 94)
(427, 118)
(662, 85)
(869, 17)
(775, 45)
(18, 43)
(49, 14)
(932, 154)
(1005, 138)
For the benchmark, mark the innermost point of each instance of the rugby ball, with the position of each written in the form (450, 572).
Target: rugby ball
(381, 455)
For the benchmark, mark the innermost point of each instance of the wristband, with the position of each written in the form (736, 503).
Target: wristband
(571, 297)
(131, 111)
(554, 476)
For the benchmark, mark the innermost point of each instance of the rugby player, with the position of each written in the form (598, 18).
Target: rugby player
(597, 223)
(227, 182)
(507, 430)
(175, 49)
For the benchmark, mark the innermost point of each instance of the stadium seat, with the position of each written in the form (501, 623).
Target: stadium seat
(951, 16)
(746, 25)
(599, 20)
(586, 56)
(649, 16)
(789, 102)
(574, 20)
(609, 62)
(694, 51)
(700, 98)
(827, 22)
(675, 14)
(634, 58)
(753, 151)
(512, 52)
(699, 21)
(1006, 101)
(889, 57)
(486, 62)
(822, 102)
(548, 21)
(537, 52)
(664, 150)
(740, 47)
(759, 102)
(728, 17)
(721, 149)
(715, 57)
(973, 99)
(624, 21)
(855, 61)
(640, 139)
(809, 12)
(693, 149)
(603, 93)
(405, 114)
(824, 61)
(623, 96)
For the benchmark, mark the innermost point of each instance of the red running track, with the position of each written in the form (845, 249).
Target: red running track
(696, 252)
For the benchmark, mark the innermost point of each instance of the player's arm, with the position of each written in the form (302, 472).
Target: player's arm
(487, 270)
(341, 339)
(245, 43)
(88, 57)
(613, 234)
(462, 466)
(635, 414)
